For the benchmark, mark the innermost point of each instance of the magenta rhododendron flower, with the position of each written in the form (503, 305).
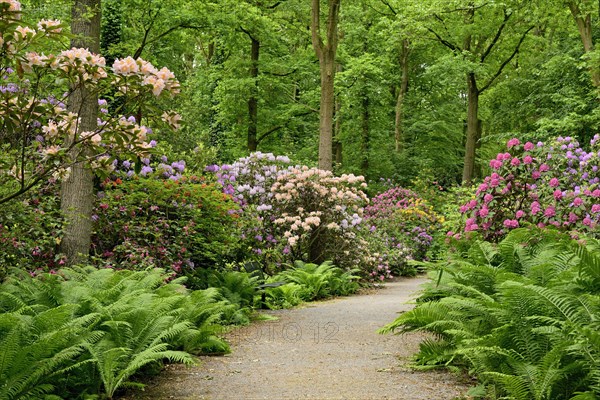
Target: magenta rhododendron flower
(549, 212)
(511, 223)
(513, 142)
(557, 194)
(528, 146)
(515, 162)
(519, 214)
(554, 182)
(577, 201)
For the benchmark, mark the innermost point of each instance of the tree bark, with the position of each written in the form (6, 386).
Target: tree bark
(365, 144)
(76, 192)
(253, 100)
(584, 26)
(337, 130)
(326, 54)
(398, 132)
(472, 128)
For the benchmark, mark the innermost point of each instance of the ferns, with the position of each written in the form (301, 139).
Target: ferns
(320, 281)
(523, 316)
(57, 335)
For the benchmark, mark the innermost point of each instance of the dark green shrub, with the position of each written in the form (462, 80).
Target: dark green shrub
(178, 225)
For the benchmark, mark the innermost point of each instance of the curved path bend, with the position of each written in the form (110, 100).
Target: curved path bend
(326, 350)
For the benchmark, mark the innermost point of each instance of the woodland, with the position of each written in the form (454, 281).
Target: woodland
(170, 167)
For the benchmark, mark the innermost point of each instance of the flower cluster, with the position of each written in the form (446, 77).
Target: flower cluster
(296, 212)
(555, 184)
(399, 216)
(249, 179)
(39, 127)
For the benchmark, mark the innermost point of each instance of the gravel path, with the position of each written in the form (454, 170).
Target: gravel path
(326, 350)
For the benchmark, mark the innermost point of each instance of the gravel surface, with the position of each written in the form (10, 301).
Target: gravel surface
(326, 350)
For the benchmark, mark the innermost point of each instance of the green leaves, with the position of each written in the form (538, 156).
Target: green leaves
(522, 315)
(59, 334)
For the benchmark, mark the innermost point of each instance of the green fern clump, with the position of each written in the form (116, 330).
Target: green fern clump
(522, 315)
(90, 332)
(320, 281)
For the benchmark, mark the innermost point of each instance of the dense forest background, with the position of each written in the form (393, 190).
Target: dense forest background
(421, 87)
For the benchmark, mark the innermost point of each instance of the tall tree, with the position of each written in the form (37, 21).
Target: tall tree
(76, 192)
(326, 51)
(487, 37)
(582, 12)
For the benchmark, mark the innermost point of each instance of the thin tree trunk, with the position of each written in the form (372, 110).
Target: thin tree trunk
(76, 192)
(365, 137)
(472, 129)
(326, 54)
(253, 100)
(584, 26)
(337, 130)
(398, 132)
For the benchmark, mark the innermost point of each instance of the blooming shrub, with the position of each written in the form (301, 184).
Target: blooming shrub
(556, 184)
(178, 225)
(318, 215)
(36, 124)
(403, 220)
(296, 213)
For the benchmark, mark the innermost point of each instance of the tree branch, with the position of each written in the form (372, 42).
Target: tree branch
(387, 3)
(443, 41)
(497, 37)
(315, 28)
(278, 127)
(505, 63)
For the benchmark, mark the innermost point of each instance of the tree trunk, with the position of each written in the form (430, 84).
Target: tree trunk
(472, 129)
(326, 54)
(337, 131)
(76, 192)
(365, 137)
(398, 133)
(584, 26)
(253, 100)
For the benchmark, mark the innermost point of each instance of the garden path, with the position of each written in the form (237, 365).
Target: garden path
(325, 350)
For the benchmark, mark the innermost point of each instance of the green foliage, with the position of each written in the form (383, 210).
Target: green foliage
(521, 315)
(62, 334)
(176, 225)
(320, 281)
(30, 232)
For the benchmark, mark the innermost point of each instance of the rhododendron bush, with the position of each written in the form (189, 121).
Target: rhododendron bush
(155, 221)
(296, 212)
(35, 122)
(555, 184)
(403, 220)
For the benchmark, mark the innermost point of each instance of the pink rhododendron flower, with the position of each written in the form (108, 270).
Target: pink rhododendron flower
(596, 208)
(511, 223)
(513, 142)
(558, 194)
(519, 214)
(577, 201)
(488, 197)
(484, 212)
(549, 212)
(515, 162)
(528, 146)
(554, 182)
(544, 168)
(527, 160)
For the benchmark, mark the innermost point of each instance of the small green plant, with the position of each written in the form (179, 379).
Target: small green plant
(320, 281)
